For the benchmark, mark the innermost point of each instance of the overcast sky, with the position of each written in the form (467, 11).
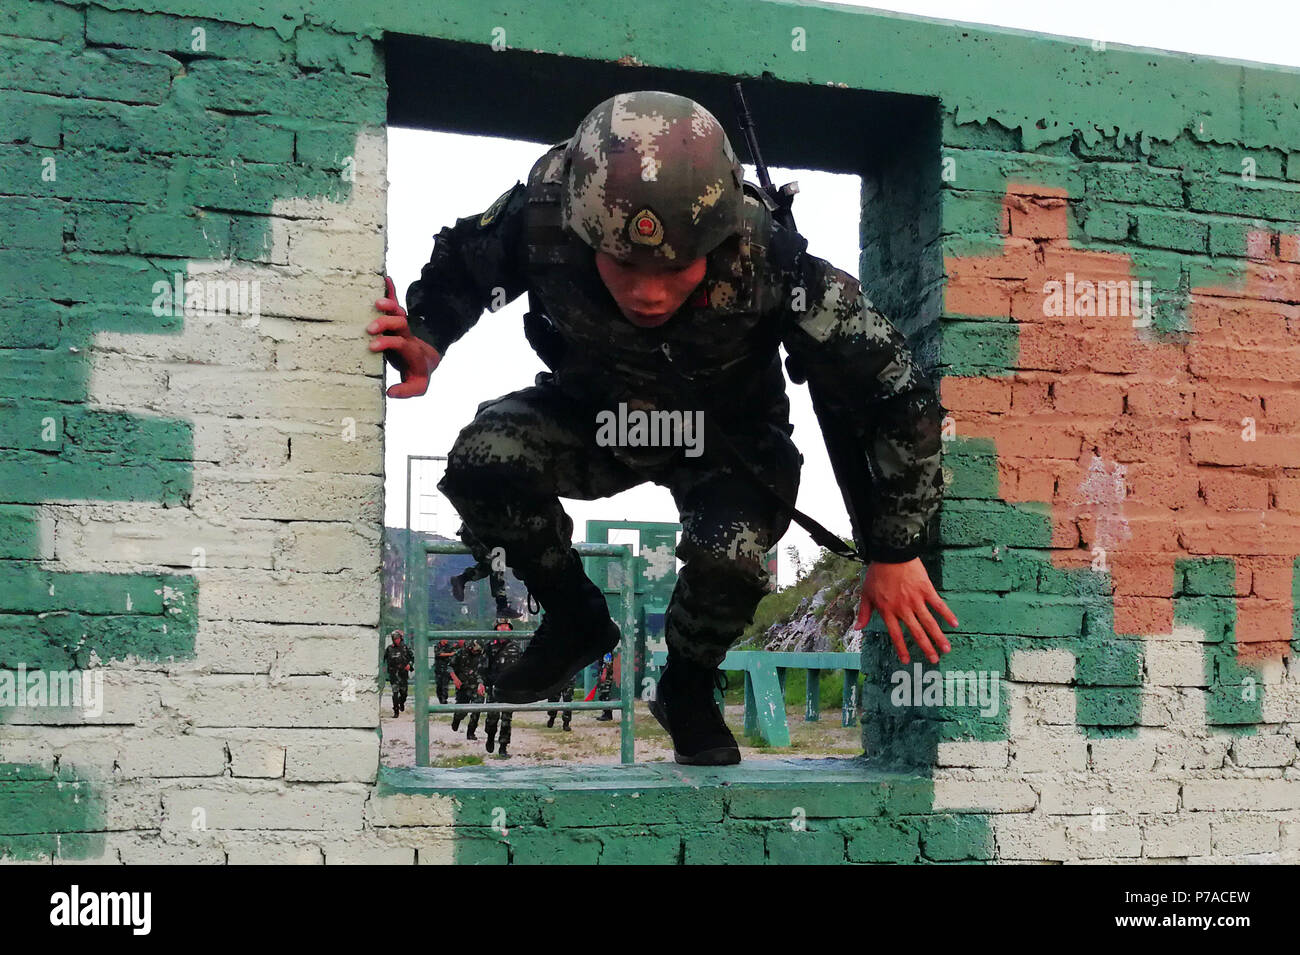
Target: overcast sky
(435, 178)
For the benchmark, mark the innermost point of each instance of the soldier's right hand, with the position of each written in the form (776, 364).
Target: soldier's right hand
(414, 358)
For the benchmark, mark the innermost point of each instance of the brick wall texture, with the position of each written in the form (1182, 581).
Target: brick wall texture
(191, 499)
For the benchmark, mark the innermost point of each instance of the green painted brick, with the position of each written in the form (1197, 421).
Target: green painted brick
(1033, 615)
(174, 34)
(1185, 233)
(17, 542)
(1213, 615)
(1115, 663)
(31, 224)
(810, 846)
(322, 49)
(483, 807)
(24, 639)
(30, 118)
(1106, 220)
(480, 847)
(100, 226)
(35, 426)
(953, 837)
(262, 88)
(42, 20)
(538, 846)
(989, 171)
(574, 805)
(249, 187)
(980, 570)
(1191, 156)
(1214, 576)
(881, 840)
(972, 523)
(987, 135)
(1263, 200)
(641, 845)
(970, 212)
(974, 348)
(48, 807)
(199, 236)
(23, 172)
(40, 848)
(729, 844)
(1131, 182)
(1108, 706)
(325, 146)
(1230, 236)
(124, 76)
(256, 141)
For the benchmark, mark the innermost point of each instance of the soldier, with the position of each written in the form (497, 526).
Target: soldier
(465, 668)
(477, 571)
(400, 661)
(565, 695)
(605, 685)
(500, 654)
(661, 283)
(443, 651)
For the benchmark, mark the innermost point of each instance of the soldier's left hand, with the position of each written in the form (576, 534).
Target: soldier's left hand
(901, 592)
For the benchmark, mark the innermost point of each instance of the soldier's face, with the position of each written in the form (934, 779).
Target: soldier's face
(647, 296)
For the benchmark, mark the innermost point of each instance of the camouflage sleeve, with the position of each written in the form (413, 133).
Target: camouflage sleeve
(869, 390)
(476, 264)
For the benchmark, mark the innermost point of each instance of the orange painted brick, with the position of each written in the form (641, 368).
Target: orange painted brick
(1168, 399)
(976, 394)
(1143, 615)
(1030, 395)
(1036, 217)
(1262, 622)
(1164, 484)
(1212, 445)
(1225, 404)
(1286, 494)
(1225, 490)
(1271, 576)
(1281, 408)
(1089, 395)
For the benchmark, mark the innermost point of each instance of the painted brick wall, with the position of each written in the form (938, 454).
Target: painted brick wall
(191, 504)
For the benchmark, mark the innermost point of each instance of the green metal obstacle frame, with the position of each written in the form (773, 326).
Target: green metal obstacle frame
(419, 628)
(765, 687)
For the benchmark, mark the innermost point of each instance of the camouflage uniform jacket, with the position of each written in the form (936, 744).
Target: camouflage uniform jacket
(760, 290)
(500, 655)
(398, 658)
(467, 664)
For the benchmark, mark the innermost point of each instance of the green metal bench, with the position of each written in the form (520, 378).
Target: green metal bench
(765, 687)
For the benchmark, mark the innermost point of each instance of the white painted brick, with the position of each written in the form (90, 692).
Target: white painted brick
(1030, 836)
(324, 450)
(1042, 666)
(336, 809)
(974, 753)
(358, 761)
(1181, 834)
(263, 853)
(245, 646)
(242, 444)
(1272, 750)
(290, 596)
(166, 536)
(1081, 794)
(1122, 755)
(1046, 750)
(152, 850)
(363, 852)
(1114, 839)
(225, 340)
(1004, 793)
(310, 497)
(406, 809)
(1169, 663)
(1241, 834)
(256, 759)
(328, 547)
(174, 756)
(1258, 794)
(255, 701)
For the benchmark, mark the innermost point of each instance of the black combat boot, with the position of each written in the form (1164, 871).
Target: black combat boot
(575, 630)
(550, 721)
(491, 741)
(470, 734)
(506, 611)
(455, 723)
(567, 727)
(605, 717)
(684, 706)
(502, 752)
(458, 587)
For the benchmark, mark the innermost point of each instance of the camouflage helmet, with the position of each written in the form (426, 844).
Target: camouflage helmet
(651, 178)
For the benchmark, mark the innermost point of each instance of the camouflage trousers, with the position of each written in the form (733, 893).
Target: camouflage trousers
(398, 684)
(441, 678)
(466, 694)
(564, 696)
(522, 452)
(495, 719)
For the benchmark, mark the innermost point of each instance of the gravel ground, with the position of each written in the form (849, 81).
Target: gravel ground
(591, 742)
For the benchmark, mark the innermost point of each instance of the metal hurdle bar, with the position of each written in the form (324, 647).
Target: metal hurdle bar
(625, 703)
